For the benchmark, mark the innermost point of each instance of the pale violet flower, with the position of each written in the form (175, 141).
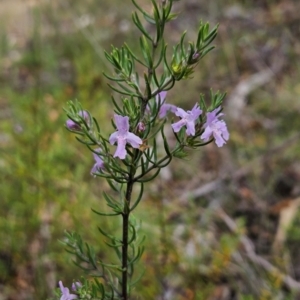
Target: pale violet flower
(188, 119)
(216, 128)
(123, 136)
(66, 293)
(99, 162)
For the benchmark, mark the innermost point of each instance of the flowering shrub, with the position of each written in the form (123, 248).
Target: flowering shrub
(129, 157)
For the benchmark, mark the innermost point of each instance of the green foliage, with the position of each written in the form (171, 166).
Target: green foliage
(45, 182)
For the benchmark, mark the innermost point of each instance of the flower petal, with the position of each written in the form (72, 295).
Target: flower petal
(99, 165)
(190, 128)
(61, 286)
(218, 139)
(180, 113)
(165, 108)
(133, 140)
(178, 125)
(113, 137)
(121, 150)
(160, 97)
(206, 134)
(122, 123)
(196, 112)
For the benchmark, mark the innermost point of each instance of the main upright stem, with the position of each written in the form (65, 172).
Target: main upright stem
(125, 215)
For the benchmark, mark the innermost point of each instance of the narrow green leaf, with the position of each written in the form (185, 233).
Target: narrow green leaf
(139, 198)
(139, 25)
(113, 78)
(149, 19)
(121, 92)
(149, 178)
(206, 51)
(85, 142)
(105, 214)
(133, 55)
(148, 87)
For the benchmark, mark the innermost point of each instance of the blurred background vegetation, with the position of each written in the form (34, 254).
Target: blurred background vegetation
(224, 224)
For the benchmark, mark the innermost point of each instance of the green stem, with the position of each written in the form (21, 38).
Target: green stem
(125, 215)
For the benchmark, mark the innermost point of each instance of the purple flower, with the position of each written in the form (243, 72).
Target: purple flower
(123, 136)
(99, 162)
(217, 128)
(188, 119)
(66, 293)
(164, 107)
(76, 126)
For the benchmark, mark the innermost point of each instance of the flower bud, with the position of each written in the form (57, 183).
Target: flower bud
(141, 127)
(71, 125)
(76, 126)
